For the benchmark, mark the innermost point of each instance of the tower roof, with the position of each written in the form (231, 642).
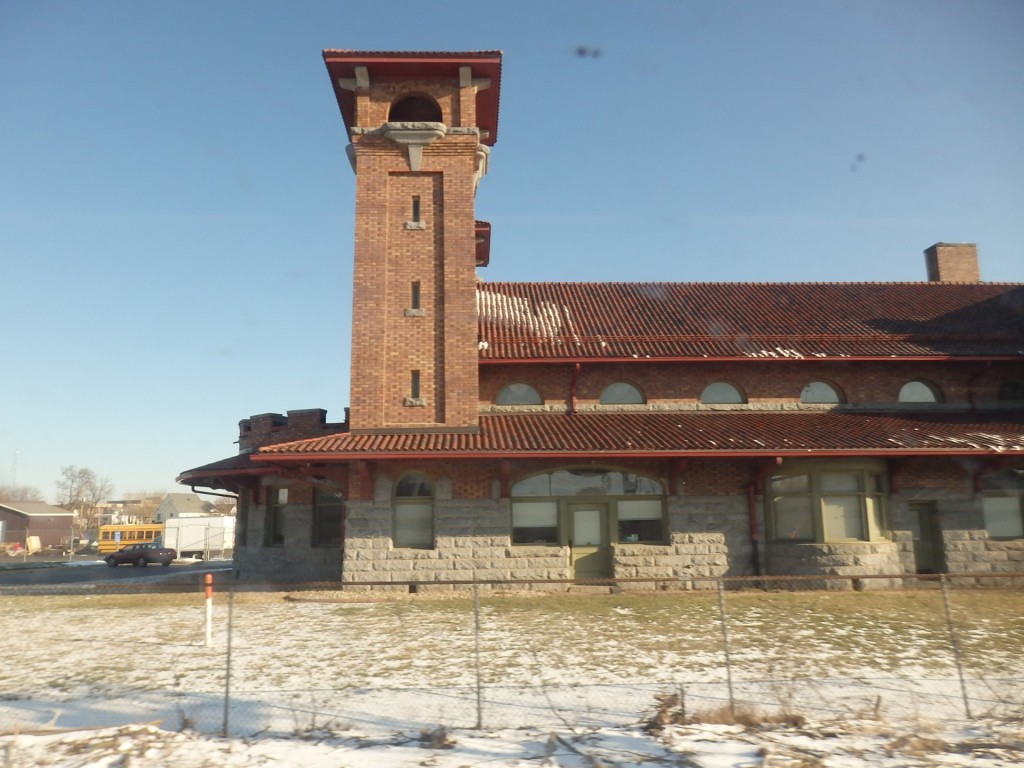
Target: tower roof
(395, 65)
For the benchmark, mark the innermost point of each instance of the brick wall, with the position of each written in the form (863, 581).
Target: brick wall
(269, 428)
(765, 384)
(391, 252)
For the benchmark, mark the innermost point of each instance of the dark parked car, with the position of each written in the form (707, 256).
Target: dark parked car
(142, 555)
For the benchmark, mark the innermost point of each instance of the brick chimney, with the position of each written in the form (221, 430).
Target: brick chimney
(952, 263)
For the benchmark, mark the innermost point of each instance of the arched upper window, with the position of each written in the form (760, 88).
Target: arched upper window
(415, 109)
(413, 512)
(721, 392)
(920, 392)
(1011, 390)
(519, 394)
(820, 392)
(621, 393)
(587, 482)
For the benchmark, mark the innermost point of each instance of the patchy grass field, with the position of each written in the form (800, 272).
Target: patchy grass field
(536, 657)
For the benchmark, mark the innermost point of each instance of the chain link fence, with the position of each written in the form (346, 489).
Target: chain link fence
(273, 659)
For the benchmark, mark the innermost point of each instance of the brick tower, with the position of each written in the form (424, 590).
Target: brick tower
(421, 126)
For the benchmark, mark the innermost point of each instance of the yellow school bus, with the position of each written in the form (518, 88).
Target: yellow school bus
(113, 537)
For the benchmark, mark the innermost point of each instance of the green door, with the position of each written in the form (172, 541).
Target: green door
(591, 553)
(929, 555)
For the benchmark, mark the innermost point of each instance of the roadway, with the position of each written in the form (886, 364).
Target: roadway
(86, 569)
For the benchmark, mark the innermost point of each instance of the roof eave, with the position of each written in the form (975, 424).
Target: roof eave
(752, 359)
(789, 453)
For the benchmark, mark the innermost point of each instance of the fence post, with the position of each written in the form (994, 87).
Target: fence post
(476, 654)
(955, 644)
(227, 662)
(725, 646)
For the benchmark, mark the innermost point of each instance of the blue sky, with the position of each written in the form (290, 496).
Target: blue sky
(176, 207)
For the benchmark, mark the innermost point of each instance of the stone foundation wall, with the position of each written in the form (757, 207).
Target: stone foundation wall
(904, 541)
(296, 561)
(966, 544)
(471, 541)
(854, 558)
(709, 538)
(972, 551)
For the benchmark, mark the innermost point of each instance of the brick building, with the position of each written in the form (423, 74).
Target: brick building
(523, 431)
(21, 520)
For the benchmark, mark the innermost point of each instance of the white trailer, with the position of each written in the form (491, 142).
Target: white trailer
(200, 536)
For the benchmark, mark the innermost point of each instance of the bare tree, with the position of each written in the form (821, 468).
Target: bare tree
(80, 490)
(225, 506)
(20, 493)
(71, 485)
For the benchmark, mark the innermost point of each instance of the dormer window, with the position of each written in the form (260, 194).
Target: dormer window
(1011, 390)
(518, 394)
(621, 393)
(820, 392)
(722, 393)
(920, 391)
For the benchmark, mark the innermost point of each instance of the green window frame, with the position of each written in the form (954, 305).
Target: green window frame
(535, 522)
(1002, 503)
(328, 519)
(820, 503)
(413, 512)
(273, 527)
(640, 521)
(636, 503)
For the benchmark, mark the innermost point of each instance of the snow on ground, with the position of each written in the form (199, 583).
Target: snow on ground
(108, 680)
(849, 745)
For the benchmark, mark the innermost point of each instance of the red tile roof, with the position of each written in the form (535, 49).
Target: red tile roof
(684, 433)
(573, 321)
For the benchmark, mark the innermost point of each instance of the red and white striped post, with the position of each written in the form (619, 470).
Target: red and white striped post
(208, 582)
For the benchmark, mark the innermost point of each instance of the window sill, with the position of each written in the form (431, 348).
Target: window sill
(547, 544)
(650, 543)
(831, 541)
